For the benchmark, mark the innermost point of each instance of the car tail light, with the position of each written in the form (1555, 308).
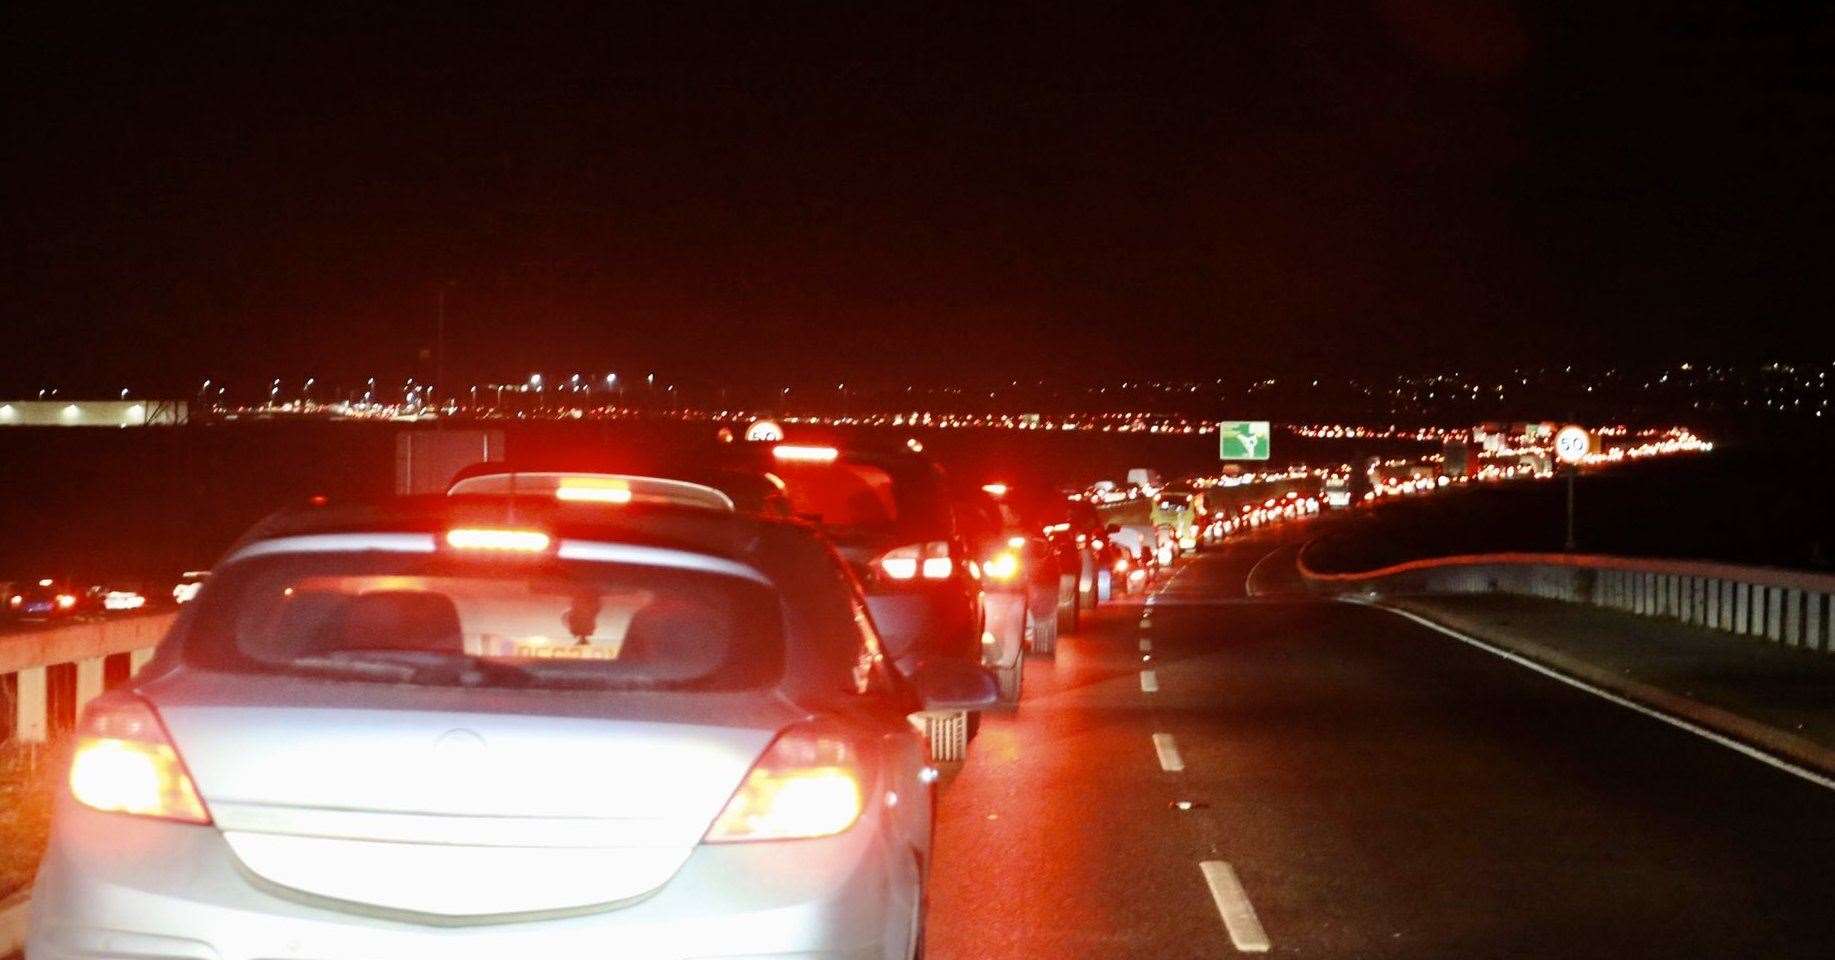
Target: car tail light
(125, 762)
(65, 601)
(478, 538)
(1001, 567)
(16, 600)
(810, 783)
(908, 562)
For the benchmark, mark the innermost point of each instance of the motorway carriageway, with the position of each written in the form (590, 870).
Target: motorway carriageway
(1214, 774)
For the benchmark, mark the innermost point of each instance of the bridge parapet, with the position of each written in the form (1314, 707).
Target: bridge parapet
(1789, 607)
(28, 657)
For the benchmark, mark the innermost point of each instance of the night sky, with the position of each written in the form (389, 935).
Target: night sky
(782, 192)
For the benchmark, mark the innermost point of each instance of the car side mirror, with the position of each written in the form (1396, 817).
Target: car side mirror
(949, 685)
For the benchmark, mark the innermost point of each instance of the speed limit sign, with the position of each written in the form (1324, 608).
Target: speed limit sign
(1572, 444)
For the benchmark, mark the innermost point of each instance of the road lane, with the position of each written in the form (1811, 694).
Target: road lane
(1379, 790)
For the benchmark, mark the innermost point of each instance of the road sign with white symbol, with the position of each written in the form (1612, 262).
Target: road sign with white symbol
(1572, 444)
(1243, 439)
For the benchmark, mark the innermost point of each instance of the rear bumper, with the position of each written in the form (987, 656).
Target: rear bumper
(114, 887)
(927, 624)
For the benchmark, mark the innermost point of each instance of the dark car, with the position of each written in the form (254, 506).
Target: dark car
(45, 599)
(889, 513)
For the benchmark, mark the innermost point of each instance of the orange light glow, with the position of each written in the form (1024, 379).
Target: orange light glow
(125, 763)
(1002, 566)
(806, 785)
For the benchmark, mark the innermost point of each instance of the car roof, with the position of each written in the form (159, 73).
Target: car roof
(728, 535)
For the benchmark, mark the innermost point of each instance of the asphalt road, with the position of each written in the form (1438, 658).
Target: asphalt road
(1378, 789)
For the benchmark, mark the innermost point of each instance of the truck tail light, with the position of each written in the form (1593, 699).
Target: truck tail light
(810, 783)
(125, 762)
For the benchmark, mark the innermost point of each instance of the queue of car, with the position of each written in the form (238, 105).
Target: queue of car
(56, 599)
(689, 712)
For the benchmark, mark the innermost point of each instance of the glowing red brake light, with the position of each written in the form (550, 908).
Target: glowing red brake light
(932, 560)
(994, 489)
(800, 453)
(125, 762)
(808, 784)
(486, 538)
(592, 490)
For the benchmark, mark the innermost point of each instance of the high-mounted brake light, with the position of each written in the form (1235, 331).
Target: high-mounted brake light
(481, 538)
(800, 453)
(591, 490)
(808, 784)
(994, 489)
(125, 762)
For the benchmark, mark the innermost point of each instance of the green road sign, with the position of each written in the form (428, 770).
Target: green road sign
(1243, 440)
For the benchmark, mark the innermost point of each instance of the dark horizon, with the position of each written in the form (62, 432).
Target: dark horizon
(913, 195)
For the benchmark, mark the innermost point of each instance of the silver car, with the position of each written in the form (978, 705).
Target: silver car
(490, 727)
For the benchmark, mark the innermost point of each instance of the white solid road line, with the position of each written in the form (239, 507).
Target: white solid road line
(1170, 761)
(1238, 913)
(1150, 682)
(1575, 682)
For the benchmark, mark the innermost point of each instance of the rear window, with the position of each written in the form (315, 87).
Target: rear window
(438, 619)
(858, 497)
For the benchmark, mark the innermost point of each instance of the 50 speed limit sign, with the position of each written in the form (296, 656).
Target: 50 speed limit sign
(1572, 444)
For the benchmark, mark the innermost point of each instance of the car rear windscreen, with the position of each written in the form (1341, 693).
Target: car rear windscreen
(858, 497)
(445, 620)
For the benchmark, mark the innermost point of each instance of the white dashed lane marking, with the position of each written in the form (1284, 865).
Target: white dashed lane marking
(1150, 683)
(1168, 750)
(1233, 904)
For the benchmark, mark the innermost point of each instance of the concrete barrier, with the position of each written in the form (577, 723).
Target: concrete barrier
(1789, 607)
(28, 656)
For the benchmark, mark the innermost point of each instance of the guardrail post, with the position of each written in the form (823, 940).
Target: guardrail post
(1793, 617)
(31, 713)
(1727, 589)
(138, 658)
(88, 681)
(1712, 617)
(1774, 613)
(1813, 621)
(1742, 608)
